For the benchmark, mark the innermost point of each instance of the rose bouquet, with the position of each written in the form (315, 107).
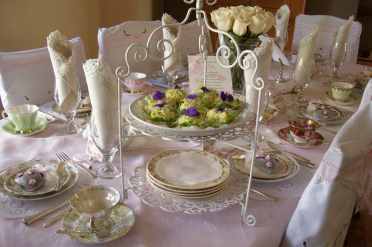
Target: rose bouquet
(244, 24)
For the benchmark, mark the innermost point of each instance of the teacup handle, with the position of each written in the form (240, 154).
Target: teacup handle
(4, 114)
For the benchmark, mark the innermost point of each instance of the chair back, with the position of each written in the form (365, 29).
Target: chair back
(27, 76)
(114, 41)
(327, 30)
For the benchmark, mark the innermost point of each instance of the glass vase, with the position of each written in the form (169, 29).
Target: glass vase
(244, 43)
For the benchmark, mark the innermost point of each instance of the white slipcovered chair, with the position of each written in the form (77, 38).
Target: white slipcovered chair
(328, 27)
(114, 41)
(27, 76)
(324, 212)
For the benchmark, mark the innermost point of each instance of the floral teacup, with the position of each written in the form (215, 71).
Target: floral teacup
(302, 129)
(22, 116)
(341, 91)
(135, 82)
(96, 203)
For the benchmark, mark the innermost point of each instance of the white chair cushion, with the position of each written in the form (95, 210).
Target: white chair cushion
(328, 28)
(27, 76)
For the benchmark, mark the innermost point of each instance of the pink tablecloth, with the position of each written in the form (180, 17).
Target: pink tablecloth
(154, 227)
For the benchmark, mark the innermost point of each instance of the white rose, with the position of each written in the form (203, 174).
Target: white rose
(223, 19)
(236, 10)
(269, 22)
(247, 13)
(257, 26)
(258, 9)
(241, 24)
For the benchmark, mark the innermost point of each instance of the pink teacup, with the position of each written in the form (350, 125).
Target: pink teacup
(135, 82)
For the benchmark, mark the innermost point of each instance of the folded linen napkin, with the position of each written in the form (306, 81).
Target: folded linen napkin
(324, 211)
(103, 93)
(263, 53)
(173, 34)
(342, 36)
(305, 59)
(281, 26)
(67, 82)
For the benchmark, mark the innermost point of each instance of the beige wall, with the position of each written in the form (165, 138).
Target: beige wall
(24, 24)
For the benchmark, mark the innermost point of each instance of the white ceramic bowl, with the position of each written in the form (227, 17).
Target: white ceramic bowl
(341, 90)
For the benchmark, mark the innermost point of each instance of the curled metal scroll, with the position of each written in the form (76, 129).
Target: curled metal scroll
(248, 60)
(246, 63)
(209, 2)
(223, 51)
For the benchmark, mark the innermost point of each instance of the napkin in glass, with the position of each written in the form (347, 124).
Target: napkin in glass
(67, 82)
(281, 26)
(342, 36)
(305, 60)
(103, 93)
(172, 34)
(263, 53)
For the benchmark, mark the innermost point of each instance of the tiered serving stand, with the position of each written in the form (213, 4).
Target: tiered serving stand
(239, 185)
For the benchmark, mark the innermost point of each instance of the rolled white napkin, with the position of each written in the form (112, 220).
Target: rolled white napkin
(103, 92)
(342, 36)
(67, 82)
(281, 26)
(172, 34)
(305, 58)
(263, 53)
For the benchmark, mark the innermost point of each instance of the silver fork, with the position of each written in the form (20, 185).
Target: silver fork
(64, 157)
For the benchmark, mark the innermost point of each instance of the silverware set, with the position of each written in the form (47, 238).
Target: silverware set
(64, 206)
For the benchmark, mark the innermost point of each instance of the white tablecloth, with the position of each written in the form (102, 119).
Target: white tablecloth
(154, 227)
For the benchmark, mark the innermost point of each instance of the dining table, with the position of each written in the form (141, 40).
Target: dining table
(153, 226)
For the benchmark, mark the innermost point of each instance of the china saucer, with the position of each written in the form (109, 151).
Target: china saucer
(73, 178)
(352, 100)
(286, 168)
(76, 226)
(41, 123)
(315, 140)
(51, 177)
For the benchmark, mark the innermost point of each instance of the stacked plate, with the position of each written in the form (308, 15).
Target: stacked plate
(188, 173)
(56, 181)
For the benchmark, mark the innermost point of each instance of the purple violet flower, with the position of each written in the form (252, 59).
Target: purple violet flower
(226, 96)
(230, 98)
(192, 96)
(158, 95)
(192, 112)
(204, 89)
(223, 95)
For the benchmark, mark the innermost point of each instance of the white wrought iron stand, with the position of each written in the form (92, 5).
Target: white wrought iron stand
(143, 52)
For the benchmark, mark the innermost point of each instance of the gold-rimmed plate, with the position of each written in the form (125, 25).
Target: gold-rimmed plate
(180, 191)
(51, 176)
(188, 169)
(293, 169)
(280, 166)
(70, 183)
